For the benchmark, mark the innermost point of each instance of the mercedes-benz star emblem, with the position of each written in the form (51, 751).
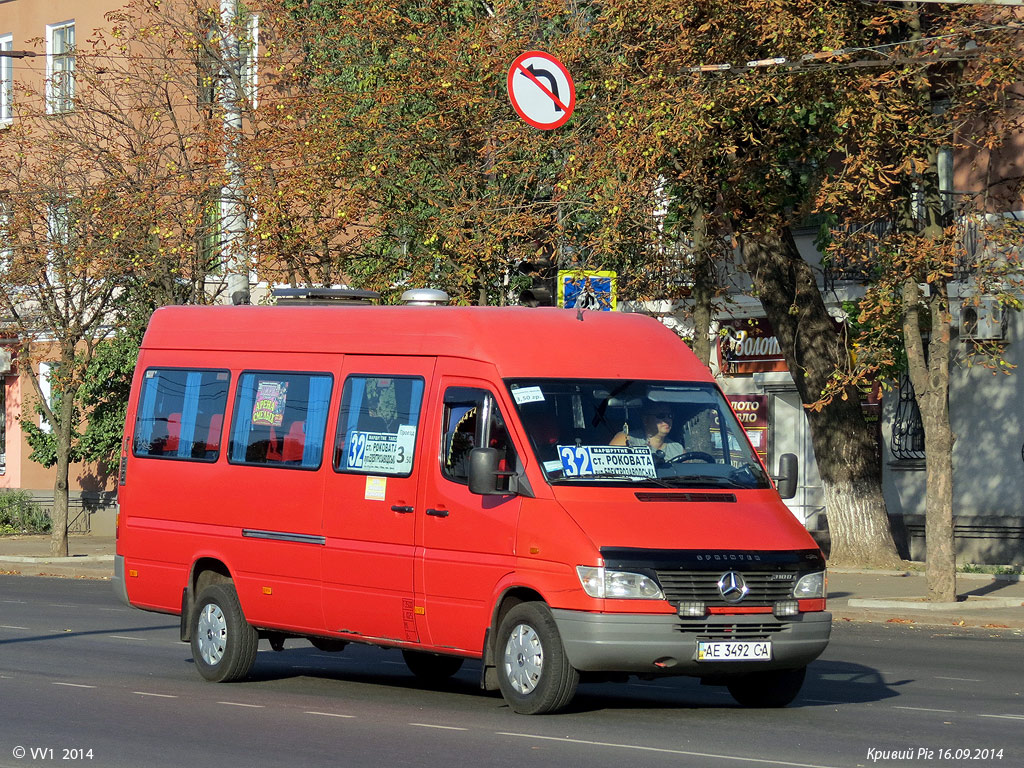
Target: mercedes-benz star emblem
(732, 587)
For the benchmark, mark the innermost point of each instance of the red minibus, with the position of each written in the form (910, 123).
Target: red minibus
(559, 495)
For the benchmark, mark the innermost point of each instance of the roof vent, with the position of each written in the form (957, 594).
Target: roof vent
(425, 297)
(324, 296)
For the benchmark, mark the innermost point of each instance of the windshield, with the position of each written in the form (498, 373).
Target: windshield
(613, 432)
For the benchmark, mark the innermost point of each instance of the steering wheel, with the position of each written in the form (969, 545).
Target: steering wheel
(692, 456)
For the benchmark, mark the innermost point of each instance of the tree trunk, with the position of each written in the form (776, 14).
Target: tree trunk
(930, 378)
(62, 431)
(844, 445)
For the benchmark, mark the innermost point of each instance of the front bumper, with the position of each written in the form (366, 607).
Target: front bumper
(664, 644)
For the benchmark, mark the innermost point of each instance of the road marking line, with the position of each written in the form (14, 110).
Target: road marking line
(822, 701)
(75, 685)
(1005, 717)
(440, 727)
(239, 704)
(158, 695)
(11, 626)
(125, 637)
(926, 709)
(329, 714)
(960, 679)
(664, 751)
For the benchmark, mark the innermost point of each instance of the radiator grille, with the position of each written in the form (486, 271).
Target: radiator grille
(766, 587)
(748, 631)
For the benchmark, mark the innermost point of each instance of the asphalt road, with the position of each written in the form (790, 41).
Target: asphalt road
(84, 680)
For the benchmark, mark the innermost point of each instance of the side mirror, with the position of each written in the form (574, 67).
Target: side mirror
(483, 472)
(786, 480)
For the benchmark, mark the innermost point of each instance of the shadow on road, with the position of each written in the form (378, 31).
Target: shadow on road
(829, 683)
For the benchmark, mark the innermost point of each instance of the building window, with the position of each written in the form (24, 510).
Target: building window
(45, 377)
(907, 441)
(6, 240)
(60, 67)
(3, 422)
(6, 80)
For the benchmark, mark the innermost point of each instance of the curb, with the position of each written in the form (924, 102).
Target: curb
(972, 604)
(1010, 577)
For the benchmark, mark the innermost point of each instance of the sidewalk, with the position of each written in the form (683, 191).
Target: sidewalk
(853, 595)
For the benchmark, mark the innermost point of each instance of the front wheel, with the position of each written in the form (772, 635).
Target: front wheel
(223, 644)
(534, 673)
(771, 688)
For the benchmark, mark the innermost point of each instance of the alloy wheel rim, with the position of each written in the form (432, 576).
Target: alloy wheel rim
(212, 634)
(524, 659)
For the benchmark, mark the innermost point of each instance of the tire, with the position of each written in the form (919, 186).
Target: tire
(223, 644)
(534, 674)
(769, 689)
(432, 667)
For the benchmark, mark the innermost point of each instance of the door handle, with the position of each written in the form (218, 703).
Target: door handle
(437, 512)
(401, 510)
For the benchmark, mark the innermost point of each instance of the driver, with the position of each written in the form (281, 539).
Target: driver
(657, 426)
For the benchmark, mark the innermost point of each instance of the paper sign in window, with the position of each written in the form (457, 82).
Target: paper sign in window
(382, 451)
(268, 410)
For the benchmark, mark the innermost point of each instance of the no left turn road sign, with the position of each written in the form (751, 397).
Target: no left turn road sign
(541, 90)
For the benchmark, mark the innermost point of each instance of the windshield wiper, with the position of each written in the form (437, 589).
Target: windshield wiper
(614, 476)
(715, 480)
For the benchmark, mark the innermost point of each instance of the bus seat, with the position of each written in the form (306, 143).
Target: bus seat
(213, 435)
(294, 442)
(173, 433)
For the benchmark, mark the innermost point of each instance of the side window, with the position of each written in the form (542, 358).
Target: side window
(180, 414)
(472, 420)
(377, 424)
(280, 419)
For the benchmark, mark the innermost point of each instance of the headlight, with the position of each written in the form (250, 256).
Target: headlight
(811, 585)
(600, 582)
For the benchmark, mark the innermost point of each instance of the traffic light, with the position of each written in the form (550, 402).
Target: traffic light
(542, 270)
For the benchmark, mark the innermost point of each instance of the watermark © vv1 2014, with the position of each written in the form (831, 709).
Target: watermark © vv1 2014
(907, 754)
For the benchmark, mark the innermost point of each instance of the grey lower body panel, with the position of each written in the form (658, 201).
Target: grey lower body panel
(663, 644)
(118, 582)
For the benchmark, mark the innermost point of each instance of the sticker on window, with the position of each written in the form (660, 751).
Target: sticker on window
(582, 460)
(382, 451)
(528, 395)
(268, 410)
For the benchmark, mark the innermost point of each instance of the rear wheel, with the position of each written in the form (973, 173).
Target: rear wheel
(534, 674)
(768, 689)
(431, 667)
(223, 644)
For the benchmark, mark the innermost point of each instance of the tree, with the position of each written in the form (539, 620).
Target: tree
(452, 190)
(955, 92)
(753, 145)
(453, 186)
(106, 215)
